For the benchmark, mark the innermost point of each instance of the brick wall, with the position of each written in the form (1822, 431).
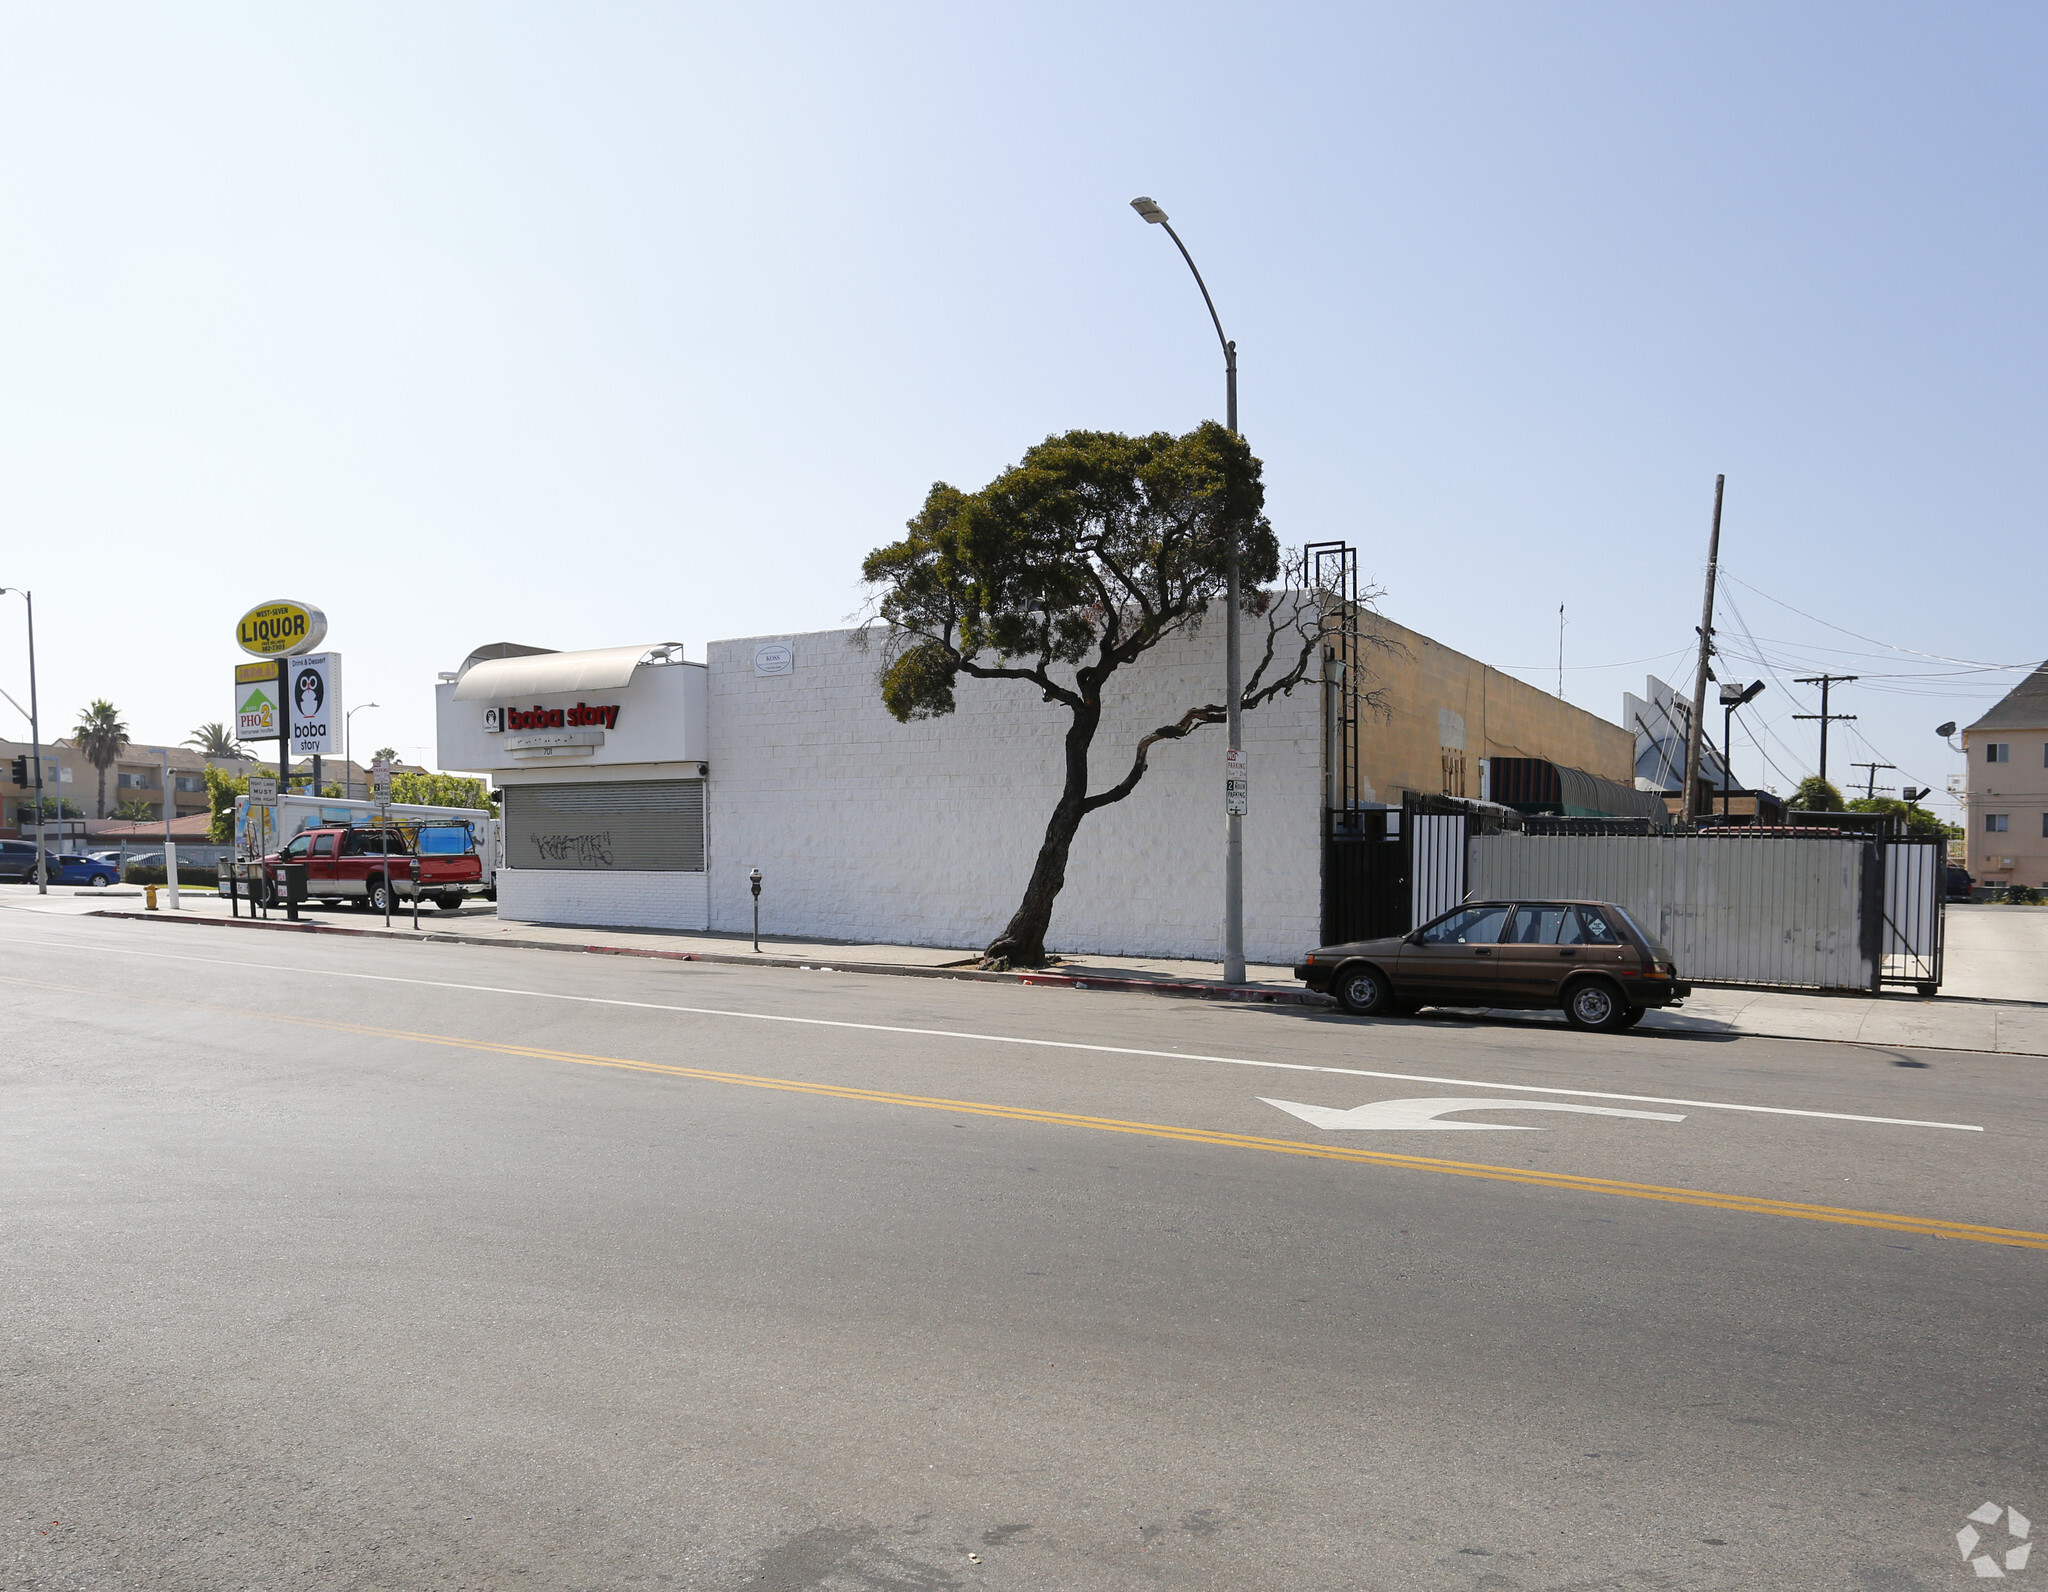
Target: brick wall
(866, 829)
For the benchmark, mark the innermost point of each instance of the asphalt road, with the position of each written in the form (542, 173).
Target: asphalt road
(333, 1264)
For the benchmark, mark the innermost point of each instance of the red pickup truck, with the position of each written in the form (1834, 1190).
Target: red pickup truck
(359, 865)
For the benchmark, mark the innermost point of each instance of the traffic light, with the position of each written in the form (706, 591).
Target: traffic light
(21, 773)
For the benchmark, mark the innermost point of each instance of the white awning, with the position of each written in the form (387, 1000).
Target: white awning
(557, 673)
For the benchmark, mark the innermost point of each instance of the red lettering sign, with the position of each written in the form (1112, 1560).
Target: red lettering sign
(581, 716)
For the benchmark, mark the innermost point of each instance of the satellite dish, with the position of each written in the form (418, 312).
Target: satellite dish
(1945, 730)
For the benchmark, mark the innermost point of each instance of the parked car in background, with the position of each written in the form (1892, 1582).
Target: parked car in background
(18, 862)
(145, 859)
(1588, 957)
(72, 868)
(1960, 883)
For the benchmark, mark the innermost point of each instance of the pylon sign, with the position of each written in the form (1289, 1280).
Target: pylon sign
(259, 706)
(312, 683)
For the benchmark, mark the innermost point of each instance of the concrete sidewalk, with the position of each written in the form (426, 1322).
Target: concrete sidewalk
(1899, 1020)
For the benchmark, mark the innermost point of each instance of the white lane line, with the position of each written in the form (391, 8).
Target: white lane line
(994, 1039)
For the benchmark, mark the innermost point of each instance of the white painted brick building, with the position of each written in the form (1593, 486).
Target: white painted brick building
(925, 833)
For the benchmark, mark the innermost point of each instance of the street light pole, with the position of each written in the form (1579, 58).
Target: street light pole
(1233, 683)
(35, 740)
(348, 742)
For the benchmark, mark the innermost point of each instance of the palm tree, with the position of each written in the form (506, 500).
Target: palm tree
(100, 735)
(213, 740)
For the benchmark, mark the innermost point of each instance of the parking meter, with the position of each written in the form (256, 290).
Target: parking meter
(291, 883)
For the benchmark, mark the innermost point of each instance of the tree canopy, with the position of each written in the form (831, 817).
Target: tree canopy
(99, 735)
(1816, 795)
(213, 740)
(1070, 565)
(1912, 817)
(1095, 543)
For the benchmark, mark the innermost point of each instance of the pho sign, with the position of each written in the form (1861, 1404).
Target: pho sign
(279, 628)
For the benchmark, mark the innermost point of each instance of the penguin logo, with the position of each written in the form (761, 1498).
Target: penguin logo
(310, 691)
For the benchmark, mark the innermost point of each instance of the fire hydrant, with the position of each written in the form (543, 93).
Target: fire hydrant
(149, 898)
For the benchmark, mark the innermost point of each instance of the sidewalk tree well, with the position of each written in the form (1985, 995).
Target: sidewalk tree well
(1070, 565)
(99, 736)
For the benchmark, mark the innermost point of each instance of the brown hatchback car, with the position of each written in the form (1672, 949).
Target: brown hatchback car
(1589, 957)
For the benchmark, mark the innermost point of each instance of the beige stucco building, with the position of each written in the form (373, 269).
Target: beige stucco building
(1445, 712)
(2007, 798)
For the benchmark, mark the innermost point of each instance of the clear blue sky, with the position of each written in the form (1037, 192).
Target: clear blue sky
(582, 324)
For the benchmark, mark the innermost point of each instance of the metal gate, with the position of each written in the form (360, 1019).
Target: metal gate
(1915, 910)
(1365, 881)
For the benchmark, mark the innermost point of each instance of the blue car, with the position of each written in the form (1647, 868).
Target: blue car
(74, 869)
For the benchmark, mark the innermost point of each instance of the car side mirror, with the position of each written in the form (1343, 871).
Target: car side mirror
(1412, 937)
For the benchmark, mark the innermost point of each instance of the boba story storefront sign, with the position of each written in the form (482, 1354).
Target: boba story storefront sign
(312, 686)
(280, 628)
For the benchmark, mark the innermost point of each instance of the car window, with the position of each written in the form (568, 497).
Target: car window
(296, 848)
(1547, 926)
(1599, 931)
(323, 845)
(1468, 926)
(444, 840)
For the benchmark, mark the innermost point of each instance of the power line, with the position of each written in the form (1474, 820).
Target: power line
(1889, 646)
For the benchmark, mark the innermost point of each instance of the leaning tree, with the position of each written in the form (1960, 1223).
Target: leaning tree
(1073, 564)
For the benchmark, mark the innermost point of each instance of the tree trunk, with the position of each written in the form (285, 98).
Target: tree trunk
(1022, 942)
(102, 803)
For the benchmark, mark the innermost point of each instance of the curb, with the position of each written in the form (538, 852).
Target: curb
(1183, 989)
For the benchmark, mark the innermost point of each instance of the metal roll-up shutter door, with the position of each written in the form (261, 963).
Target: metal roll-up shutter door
(634, 825)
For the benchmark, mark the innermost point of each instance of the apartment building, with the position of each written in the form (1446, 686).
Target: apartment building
(2007, 796)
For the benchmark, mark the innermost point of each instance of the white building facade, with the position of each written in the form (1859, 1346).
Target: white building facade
(776, 753)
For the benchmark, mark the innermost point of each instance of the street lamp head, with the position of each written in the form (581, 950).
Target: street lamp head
(1945, 730)
(1149, 210)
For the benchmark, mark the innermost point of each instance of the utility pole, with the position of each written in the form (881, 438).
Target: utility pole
(1870, 791)
(1824, 681)
(35, 747)
(1688, 808)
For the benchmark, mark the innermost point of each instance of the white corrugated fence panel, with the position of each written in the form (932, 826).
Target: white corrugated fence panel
(1732, 911)
(1436, 876)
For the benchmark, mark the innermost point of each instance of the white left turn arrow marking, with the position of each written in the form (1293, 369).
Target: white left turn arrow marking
(1423, 1114)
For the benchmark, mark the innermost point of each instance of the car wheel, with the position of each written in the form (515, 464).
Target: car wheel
(1596, 1006)
(100, 881)
(1364, 991)
(448, 903)
(378, 896)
